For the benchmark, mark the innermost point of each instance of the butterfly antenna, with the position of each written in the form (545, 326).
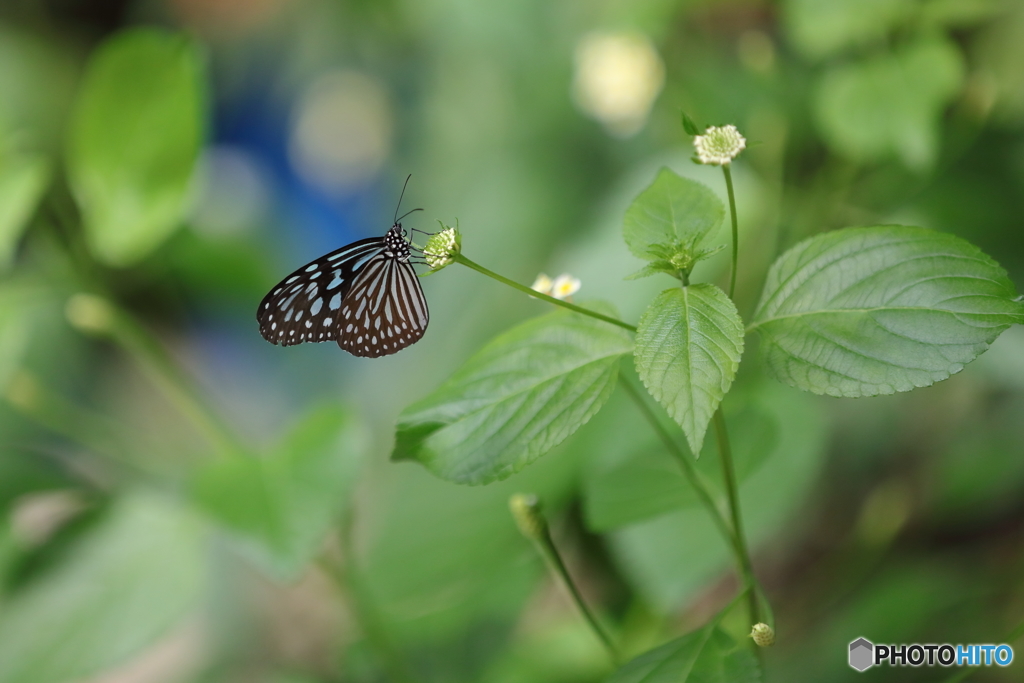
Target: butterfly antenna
(406, 214)
(400, 198)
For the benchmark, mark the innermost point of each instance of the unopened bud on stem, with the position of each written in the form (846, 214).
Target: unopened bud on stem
(763, 635)
(90, 313)
(526, 511)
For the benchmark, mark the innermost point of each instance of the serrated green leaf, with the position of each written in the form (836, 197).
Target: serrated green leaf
(672, 210)
(281, 506)
(653, 268)
(135, 137)
(867, 311)
(515, 399)
(890, 105)
(121, 586)
(23, 179)
(688, 348)
(708, 655)
(648, 481)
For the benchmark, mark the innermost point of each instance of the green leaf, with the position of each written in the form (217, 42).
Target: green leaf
(689, 126)
(120, 588)
(890, 105)
(23, 178)
(708, 655)
(281, 506)
(819, 28)
(135, 136)
(653, 268)
(515, 399)
(648, 481)
(867, 311)
(959, 13)
(672, 210)
(440, 560)
(688, 348)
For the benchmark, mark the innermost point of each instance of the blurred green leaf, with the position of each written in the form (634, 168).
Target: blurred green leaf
(890, 105)
(959, 12)
(135, 138)
(648, 482)
(867, 311)
(119, 589)
(19, 304)
(566, 651)
(819, 28)
(708, 655)
(23, 178)
(688, 348)
(669, 557)
(441, 560)
(282, 505)
(515, 399)
(672, 210)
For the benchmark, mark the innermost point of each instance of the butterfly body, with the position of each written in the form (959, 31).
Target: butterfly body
(365, 296)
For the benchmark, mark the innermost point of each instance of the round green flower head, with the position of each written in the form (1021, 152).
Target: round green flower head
(719, 145)
(763, 635)
(442, 247)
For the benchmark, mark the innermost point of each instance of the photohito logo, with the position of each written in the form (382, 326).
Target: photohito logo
(864, 654)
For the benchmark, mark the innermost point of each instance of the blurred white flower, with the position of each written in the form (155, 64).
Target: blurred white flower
(342, 130)
(542, 284)
(618, 76)
(564, 286)
(719, 145)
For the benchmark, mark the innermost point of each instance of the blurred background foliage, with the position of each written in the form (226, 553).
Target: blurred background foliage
(182, 501)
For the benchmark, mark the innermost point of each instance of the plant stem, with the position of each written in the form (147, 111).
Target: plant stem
(459, 258)
(96, 314)
(729, 475)
(684, 460)
(349, 581)
(554, 558)
(89, 430)
(966, 671)
(735, 229)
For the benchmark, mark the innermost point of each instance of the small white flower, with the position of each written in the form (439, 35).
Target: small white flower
(719, 145)
(564, 286)
(542, 284)
(442, 247)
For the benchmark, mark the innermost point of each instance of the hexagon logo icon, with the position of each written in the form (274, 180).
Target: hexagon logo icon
(862, 654)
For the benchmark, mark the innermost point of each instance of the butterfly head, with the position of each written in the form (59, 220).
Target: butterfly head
(396, 242)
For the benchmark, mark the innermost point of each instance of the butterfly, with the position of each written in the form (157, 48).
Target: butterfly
(366, 296)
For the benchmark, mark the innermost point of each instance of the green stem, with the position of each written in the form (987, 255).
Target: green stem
(729, 475)
(349, 581)
(735, 229)
(967, 671)
(161, 369)
(685, 463)
(89, 430)
(459, 258)
(164, 372)
(550, 552)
